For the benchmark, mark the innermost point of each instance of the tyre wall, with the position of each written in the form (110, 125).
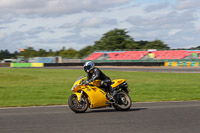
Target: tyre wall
(4, 64)
(108, 64)
(26, 64)
(182, 63)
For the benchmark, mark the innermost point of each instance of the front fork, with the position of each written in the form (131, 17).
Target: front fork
(79, 96)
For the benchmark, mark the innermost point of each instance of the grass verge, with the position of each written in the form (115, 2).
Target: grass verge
(27, 87)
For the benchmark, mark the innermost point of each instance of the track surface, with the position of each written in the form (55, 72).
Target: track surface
(159, 117)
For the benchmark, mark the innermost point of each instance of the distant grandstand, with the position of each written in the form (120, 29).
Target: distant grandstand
(150, 55)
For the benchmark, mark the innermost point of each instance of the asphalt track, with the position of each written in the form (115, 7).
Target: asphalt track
(158, 117)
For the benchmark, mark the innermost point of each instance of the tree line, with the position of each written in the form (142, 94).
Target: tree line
(116, 39)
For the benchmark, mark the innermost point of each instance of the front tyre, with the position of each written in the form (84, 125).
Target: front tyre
(76, 106)
(123, 102)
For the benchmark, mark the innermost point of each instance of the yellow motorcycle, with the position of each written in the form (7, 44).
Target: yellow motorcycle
(93, 96)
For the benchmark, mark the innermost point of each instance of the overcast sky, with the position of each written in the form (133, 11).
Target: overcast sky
(52, 24)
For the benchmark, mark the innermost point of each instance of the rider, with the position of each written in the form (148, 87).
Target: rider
(94, 73)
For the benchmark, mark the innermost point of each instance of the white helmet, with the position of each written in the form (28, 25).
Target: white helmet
(89, 65)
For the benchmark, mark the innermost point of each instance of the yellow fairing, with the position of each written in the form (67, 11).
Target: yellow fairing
(78, 95)
(97, 97)
(77, 82)
(117, 82)
(96, 83)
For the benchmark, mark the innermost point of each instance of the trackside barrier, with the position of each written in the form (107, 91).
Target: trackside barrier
(108, 64)
(26, 64)
(30, 65)
(182, 63)
(37, 65)
(174, 63)
(4, 64)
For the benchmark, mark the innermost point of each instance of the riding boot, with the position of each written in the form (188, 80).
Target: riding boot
(114, 93)
(110, 94)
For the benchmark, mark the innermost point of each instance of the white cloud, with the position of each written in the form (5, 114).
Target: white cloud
(38, 30)
(97, 22)
(176, 28)
(55, 7)
(156, 7)
(1, 35)
(173, 32)
(171, 20)
(197, 25)
(188, 4)
(90, 22)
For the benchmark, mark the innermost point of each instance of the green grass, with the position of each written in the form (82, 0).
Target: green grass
(27, 87)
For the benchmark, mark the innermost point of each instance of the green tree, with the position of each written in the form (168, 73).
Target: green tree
(41, 53)
(5, 54)
(115, 39)
(198, 47)
(50, 53)
(69, 53)
(15, 54)
(29, 52)
(156, 44)
(141, 43)
(86, 51)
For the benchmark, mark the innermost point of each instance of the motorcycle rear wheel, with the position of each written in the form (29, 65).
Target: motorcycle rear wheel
(76, 106)
(123, 102)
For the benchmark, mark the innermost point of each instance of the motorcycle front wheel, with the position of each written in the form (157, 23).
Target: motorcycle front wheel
(76, 106)
(123, 102)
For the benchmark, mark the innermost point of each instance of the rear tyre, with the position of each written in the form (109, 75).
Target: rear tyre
(123, 102)
(76, 106)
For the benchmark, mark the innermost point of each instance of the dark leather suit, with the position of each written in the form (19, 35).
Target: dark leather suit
(98, 74)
